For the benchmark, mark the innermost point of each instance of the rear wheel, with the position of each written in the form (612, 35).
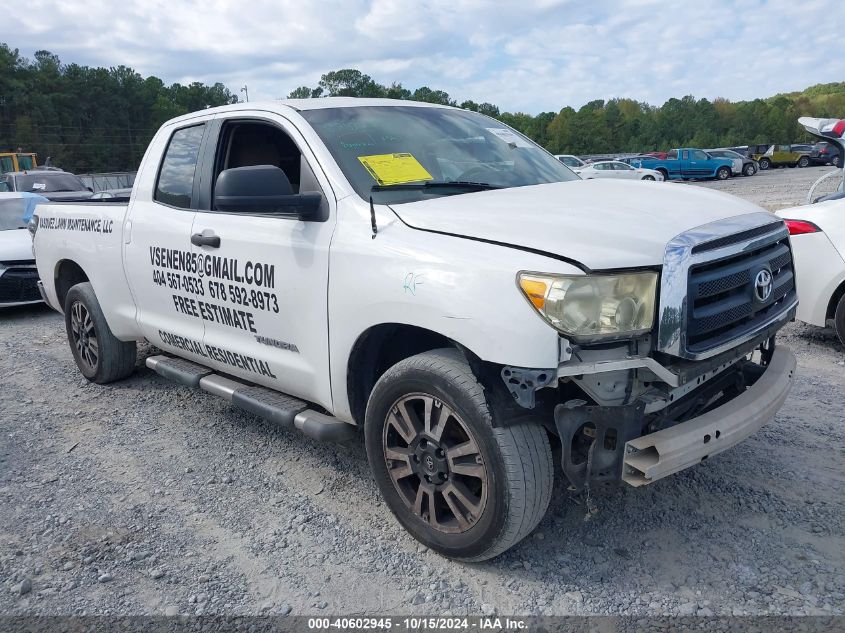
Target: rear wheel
(803, 161)
(835, 161)
(839, 320)
(749, 169)
(459, 486)
(664, 173)
(765, 163)
(100, 356)
(723, 173)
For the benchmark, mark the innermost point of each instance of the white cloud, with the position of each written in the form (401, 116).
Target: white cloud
(530, 56)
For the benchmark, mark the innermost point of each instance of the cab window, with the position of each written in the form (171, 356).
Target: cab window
(249, 143)
(699, 155)
(176, 177)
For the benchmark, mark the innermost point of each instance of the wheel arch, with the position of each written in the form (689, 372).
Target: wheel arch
(380, 347)
(835, 298)
(67, 274)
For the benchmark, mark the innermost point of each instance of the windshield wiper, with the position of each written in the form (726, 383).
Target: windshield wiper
(438, 184)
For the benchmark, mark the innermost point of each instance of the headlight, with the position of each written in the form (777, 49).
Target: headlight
(593, 306)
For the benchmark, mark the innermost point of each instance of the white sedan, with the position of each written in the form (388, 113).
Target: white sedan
(18, 275)
(616, 169)
(818, 245)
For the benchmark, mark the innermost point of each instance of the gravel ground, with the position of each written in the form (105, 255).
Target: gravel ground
(146, 497)
(777, 188)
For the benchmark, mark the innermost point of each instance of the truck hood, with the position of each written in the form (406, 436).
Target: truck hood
(601, 224)
(15, 245)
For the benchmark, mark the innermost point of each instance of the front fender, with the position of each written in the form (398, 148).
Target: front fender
(459, 288)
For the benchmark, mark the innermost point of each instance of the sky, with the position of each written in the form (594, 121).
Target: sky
(529, 56)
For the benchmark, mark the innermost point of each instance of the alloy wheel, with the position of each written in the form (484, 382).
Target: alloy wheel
(83, 334)
(435, 463)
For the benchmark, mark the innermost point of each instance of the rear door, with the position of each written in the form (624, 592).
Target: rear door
(159, 260)
(266, 308)
(621, 170)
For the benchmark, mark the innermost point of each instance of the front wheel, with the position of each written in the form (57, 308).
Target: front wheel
(648, 177)
(803, 162)
(100, 356)
(835, 161)
(723, 173)
(749, 169)
(459, 486)
(765, 163)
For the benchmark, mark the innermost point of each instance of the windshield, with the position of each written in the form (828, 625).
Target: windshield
(425, 152)
(49, 182)
(12, 211)
(571, 161)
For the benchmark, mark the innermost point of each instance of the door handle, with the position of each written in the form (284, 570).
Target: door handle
(206, 239)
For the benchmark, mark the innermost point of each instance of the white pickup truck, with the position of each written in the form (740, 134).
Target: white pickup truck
(434, 277)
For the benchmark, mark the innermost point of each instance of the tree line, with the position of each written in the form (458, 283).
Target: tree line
(89, 119)
(101, 119)
(626, 125)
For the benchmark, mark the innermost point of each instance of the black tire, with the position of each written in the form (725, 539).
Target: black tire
(839, 319)
(804, 161)
(749, 169)
(723, 173)
(648, 178)
(100, 356)
(665, 174)
(765, 163)
(513, 468)
(835, 161)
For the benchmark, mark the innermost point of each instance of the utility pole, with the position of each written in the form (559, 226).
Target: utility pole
(245, 90)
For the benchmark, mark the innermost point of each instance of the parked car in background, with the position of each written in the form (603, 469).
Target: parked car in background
(115, 195)
(635, 161)
(617, 169)
(570, 161)
(781, 156)
(801, 148)
(689, 163)
(53, 184)
(741, 164)
(18, 274)
(818, 245)
(823, 153)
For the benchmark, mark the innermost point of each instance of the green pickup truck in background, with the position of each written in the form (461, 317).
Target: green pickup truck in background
(779, 156)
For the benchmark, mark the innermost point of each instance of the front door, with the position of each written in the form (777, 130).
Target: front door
(159, 260)
(266, 309)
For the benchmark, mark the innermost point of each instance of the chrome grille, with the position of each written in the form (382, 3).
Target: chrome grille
(721, 298)
(708, 301)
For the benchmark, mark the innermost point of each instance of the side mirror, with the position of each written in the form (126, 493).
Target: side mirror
(265, 190)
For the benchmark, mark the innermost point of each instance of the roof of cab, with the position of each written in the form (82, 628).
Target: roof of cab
(309, 104)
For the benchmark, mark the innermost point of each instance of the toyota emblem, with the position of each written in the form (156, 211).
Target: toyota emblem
(763, 286)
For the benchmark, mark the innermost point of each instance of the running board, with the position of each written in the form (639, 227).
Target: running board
(274, 406)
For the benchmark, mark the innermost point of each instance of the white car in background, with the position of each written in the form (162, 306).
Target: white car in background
(18, 274)
(573, 162)
(818, 244)
(617, 169)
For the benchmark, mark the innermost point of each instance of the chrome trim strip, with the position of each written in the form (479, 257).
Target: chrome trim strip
(674, 280)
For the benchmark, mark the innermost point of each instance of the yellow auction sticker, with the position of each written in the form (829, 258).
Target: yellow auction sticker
(394, 169)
